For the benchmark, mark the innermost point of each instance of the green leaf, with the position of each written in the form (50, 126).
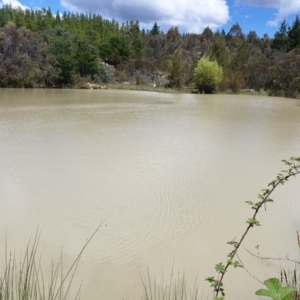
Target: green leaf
(253, 222)
(275, 290)
(266, 293)
(273, 284)
(237, 264)
(230, 254)
(286, 291)
(220, 268)
(234, 243)
(269, 200)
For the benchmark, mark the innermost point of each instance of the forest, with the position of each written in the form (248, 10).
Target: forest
(42, 49)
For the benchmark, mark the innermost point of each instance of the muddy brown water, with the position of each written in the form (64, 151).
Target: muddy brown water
(167, 175)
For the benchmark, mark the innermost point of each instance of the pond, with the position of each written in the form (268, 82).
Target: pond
(166, 175)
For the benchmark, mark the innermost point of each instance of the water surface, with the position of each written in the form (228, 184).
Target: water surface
(167, 175)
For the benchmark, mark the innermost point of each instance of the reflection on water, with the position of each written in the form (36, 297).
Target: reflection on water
(167, 175)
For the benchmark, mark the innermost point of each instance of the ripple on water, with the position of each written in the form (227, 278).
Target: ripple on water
(166, 174)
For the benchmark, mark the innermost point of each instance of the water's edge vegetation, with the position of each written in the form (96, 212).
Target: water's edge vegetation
(39, 49)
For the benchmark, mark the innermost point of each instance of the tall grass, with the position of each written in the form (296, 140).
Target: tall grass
(26, 280)
(172, 289)
(290, 276)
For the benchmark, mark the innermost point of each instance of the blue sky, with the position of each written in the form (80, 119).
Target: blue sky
(263, 16)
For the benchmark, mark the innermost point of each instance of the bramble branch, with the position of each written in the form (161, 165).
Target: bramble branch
(293, 169)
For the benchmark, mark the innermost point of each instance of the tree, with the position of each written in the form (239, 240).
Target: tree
(137, 45)
(207, 75)
(237, 69)
(257, 72)
(105, 73)
(253, 39)
(115, 50)
(86, 58)
(173, 35)
(294, 34)
(155, 29)
(173, 38)
(280, 41)
(284, 78)
(176, 72)
(63, 47)
(207, 34)
(25, 60)
(218, 51)
(236, 31)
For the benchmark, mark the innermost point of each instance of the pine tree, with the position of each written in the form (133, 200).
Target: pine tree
(155, 29)
(294, 34)
(280, 41)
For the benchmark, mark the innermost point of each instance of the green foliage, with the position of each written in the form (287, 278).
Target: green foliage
(253, 222)
(115, 50)
(253, 39)
(241, 55)
(207, 75)
(105, 73)
(284, 79)
(25, 59)
(218, 52)
(257, 72)
(155, 29)
(281, 40)
(86, 58)
(235, 32)
(276, 291)
(137, 45)
(176, 71)
(248, 61)
(62, 45)
(294, 34)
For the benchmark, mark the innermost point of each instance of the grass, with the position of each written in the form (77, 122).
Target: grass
(172, 289)
(26, 280)
(291, 276)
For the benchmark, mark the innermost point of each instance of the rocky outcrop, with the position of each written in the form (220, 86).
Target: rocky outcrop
(93, 86)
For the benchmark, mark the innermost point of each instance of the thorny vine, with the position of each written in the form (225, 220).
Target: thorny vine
(293, 169)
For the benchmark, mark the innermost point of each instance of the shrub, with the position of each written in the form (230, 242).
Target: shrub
(207, 75)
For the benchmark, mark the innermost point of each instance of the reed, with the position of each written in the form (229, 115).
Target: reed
(26, 280)
(173, 289)
(290, 276)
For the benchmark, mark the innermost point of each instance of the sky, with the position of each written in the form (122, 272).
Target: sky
(190, 16)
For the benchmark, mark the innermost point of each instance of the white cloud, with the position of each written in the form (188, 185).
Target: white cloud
(14, 3)
(284, 8)
(189, 16)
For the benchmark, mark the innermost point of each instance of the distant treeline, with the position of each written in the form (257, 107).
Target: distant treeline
(41, 49)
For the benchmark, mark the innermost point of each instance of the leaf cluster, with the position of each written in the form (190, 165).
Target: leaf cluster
(207, 75)
(275, 290)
